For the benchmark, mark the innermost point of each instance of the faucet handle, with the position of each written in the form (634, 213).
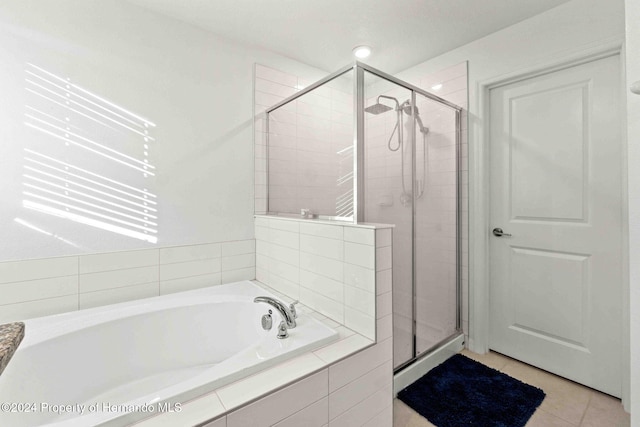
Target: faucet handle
(267, 321)
(293, 310)
(282, 331)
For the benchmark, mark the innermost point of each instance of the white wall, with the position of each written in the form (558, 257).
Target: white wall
(554, 34)
(196, 88)
(198, 91)
(633, 137)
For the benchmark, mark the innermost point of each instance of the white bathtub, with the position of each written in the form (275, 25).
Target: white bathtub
(146, 355)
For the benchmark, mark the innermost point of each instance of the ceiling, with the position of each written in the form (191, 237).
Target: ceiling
(323, 33)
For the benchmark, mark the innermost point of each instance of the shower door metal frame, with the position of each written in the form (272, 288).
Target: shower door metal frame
(458, 113)
(358, 69)
(458, 332)
(358, 127)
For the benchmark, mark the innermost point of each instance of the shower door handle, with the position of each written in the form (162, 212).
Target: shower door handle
(499, 233)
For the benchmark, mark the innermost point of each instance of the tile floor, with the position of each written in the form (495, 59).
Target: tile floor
(567, 404)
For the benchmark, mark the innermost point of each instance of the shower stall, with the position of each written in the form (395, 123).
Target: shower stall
(363, 146)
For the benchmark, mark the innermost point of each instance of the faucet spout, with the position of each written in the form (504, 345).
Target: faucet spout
(287, 316)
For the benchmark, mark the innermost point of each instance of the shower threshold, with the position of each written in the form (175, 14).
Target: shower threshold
(410, 373)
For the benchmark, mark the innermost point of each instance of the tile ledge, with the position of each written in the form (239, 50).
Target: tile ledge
(368, 225)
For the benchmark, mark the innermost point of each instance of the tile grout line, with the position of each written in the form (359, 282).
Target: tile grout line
(515, 362)
(158, 280)
(586, 408)
(344, 288)
(360, 376)
(328, 394)
(78, 283)
(352, 381)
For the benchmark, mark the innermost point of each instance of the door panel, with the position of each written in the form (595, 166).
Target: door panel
(555, 279)
(548, 166)
(555, 291)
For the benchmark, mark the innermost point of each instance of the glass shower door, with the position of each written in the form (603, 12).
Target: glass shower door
(436, 224)
(388, 194)
(361, 145)
(411, 175)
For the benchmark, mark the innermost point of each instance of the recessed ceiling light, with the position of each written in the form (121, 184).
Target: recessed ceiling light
(361, 51)
(437, 87)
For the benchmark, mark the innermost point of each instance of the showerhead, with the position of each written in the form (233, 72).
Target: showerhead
(378, 109)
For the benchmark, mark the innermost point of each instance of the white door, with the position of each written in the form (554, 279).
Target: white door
(556, 283)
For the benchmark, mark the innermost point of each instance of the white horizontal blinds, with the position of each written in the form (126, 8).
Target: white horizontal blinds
(87, 159)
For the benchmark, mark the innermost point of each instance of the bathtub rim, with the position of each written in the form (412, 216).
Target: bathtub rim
(43, 328)
(65, 323)
(208, 408)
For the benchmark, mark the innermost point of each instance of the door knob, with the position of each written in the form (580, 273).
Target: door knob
(499, 233)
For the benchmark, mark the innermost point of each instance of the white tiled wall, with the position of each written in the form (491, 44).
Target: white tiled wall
(270, 87)
(40, 287)
(329, 267)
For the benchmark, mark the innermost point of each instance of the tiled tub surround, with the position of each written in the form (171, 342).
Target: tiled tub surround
(332, 267)
(166, 349)
(335, 386)
(347, 383)
(342, 384)
(331, 386)
(40, 287)
(11, 334)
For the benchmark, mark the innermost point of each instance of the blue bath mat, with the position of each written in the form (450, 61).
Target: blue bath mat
(463, 392)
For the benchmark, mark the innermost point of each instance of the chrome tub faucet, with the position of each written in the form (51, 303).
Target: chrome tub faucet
(288, 314)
